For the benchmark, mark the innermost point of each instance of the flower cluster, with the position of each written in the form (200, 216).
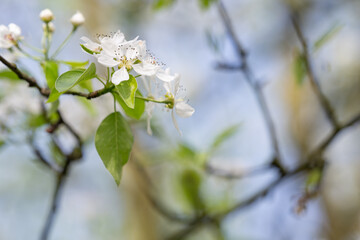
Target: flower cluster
(9, 36)
(123, 56)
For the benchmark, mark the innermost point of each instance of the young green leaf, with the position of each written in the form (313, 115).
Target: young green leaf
(113, 142)
(191, 182)
(70, 78)
(127, 90)
(299, 68)
(224, 135)
(327, 36)
(75, 64)
(205, 4)
(35, 120)
(87, 85)
(8, 74)
(159, 4)
(88, 105)
(54, 95)
(138, 109)
(51, 71)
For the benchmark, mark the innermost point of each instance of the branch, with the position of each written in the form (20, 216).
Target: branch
(45, 91)
(330, 113)
(324, 145)
(61, 176)
(55, 200)
(30, 80)
(252, 82)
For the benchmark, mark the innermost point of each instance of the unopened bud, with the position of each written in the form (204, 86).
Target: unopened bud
(77, 19)
(46, 15)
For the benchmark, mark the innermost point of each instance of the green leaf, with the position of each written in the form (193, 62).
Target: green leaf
(87, 85)
(52, 114)
(88, 105)
(113, 142)
(158, 4)
(127, 90)
(224, 135)
(138, 109)
(191, 182)
(327, 36)
(36, 120)
(205, 4)
(2, 143)
(299, 68)
(70, 78)
(54, 95)
(8, 74)
(51, 71)
(313, 179)
(75, 64)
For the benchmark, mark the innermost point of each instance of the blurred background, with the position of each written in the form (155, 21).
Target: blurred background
(169, 167)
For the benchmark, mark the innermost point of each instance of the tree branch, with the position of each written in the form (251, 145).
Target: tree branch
(244, 67)
(330, 113)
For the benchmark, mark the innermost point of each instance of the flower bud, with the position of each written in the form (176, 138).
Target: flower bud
(51, 27)
(46, 15)
(77, 19)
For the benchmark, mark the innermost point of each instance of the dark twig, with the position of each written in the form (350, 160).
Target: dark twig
(45, 91)
(55, 200)
(310, 72)
(61, 176)
(158, 205)
(323, 146)
(236, 173)
(253, 83)
(76, 154)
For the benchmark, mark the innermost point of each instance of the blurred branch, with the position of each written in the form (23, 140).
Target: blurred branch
(314, 82)
(76, 154)
(61, 176)
(236, 173)
(244, 67)
(157, 205)
(41, 157)
(45, 91)
(323, 146)
(30, 80)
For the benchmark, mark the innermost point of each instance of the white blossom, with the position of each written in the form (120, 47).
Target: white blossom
(10, 35)
(77, 19)
(180, 107)
(46, 15)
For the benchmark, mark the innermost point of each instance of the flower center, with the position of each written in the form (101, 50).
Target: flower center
(125, 62)
(9, 37)
(171, 100)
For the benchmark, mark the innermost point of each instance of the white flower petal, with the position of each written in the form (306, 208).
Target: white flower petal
(118, 37)
(149, 107)
(183, 109)
(107, 60)
(175, 122)
(146, 69)
(15, 30)
(119, 76)
(93, 46)
(131, 53)
(165, 75)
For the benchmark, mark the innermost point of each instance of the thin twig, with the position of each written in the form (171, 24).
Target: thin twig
(253, 83)
(55, 200)
(325, 103)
